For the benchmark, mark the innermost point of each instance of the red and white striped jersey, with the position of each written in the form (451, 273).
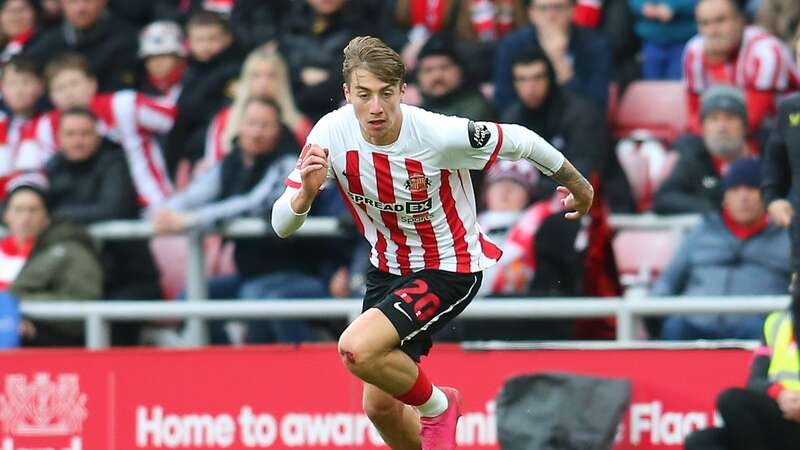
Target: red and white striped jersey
(129, 119)
(413, 199)
(763, 63)
(11, 158)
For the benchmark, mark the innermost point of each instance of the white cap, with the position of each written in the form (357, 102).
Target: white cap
(161, 38)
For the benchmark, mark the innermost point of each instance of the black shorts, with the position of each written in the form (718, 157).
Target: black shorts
(420, 304)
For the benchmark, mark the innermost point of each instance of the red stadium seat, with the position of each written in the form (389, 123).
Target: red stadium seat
(658, 107)
(642, 255)
(170, 253)
(646, 163)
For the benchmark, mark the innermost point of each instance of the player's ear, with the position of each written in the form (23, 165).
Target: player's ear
(346, 90)
(403, 86)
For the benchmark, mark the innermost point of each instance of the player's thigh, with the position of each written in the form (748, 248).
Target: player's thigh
(369, 335)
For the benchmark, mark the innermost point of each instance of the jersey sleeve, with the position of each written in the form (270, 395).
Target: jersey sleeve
(772, 67)
(466, 144)
(319, 135)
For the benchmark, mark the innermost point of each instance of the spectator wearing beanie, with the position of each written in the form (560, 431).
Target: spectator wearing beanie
(164, 55)
(45, 258)
(735, 251)
(445, 86)
(694, 186)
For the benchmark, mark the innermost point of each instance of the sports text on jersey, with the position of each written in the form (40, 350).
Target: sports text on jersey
(402, 207)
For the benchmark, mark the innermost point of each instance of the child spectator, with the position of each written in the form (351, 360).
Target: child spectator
(161, 48)
(214, 64)
(22, 89)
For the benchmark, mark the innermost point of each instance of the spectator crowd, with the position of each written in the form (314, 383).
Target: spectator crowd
(189, 113)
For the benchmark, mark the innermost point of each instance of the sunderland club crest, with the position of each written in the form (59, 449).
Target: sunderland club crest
(418, 183)
(42, 407)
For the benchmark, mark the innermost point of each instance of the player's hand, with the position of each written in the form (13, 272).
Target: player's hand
(781, 212)
(578, 206)
(313, 169)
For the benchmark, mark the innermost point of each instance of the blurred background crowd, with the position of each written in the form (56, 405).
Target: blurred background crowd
(189, 113)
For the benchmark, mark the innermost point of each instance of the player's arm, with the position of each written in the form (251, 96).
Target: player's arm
(290, 210)
(519, 142)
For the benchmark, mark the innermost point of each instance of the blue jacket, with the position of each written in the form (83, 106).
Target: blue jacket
(712, 261)
(677, 31)
(589, 49)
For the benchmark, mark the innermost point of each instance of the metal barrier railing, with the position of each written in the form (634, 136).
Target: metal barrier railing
(196, 278)
(97, 315)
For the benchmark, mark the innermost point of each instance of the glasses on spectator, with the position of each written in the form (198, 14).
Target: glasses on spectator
(555, 7)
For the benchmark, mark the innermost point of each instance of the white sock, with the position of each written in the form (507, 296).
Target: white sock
(435, 405)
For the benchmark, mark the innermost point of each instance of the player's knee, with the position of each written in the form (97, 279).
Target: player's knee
(356, 354)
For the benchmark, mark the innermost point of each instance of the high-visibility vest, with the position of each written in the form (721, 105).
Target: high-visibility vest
(784, 366)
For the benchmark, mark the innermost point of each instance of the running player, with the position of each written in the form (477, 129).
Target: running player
(404, 173)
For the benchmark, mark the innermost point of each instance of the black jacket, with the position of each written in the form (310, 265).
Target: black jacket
(110, 47)
(256, 21)
(101, 189)
(574, 125)
(694, 184)
(309, 41)
(781, 166)
(207, 87)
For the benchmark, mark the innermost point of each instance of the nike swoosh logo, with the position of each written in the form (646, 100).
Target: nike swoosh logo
(397, 307)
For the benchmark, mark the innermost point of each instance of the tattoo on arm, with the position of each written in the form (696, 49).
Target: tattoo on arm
(569, 177)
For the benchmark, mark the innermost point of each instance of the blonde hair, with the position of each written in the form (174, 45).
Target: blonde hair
(372, 54)
(290, 115)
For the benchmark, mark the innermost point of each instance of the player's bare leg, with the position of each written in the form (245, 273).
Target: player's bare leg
(369, 350)
(397, 422)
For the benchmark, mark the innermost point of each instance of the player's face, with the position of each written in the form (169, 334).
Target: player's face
(78, 137)
(25, 215)
(531, 83)
(21, 91)
(744, 204)
(506, 196)
(260, 129)
(377, 106)
(720, 25)
(71, 88)
(438, 75)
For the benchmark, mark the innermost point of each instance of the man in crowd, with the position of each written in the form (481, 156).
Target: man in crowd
(445, 86)
(693, 185)
(732, 252)
(89, 29)
(728, 51)
(573, 124)
(581, 57)
(90, 182)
